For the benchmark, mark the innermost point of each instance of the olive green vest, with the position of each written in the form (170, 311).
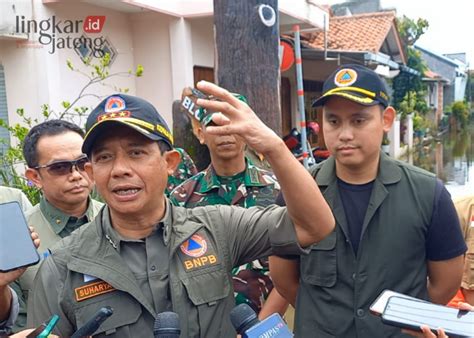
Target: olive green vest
(336, 287)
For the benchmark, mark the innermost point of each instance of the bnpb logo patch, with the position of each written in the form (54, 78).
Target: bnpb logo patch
(196, 246)
(345, 77)
(114, 104)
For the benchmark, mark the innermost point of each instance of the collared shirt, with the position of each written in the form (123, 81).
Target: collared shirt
(253, 187)
(147, 260)
(199, 279)
(52, 225)
(62, 223)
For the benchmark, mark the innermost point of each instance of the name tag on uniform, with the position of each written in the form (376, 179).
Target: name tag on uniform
(197, 253)
(92, 290)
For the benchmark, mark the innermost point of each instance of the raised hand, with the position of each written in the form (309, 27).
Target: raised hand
(236, 117)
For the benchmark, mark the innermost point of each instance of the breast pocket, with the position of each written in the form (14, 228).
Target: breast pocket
(126, 313)
(211, 296)
(319, 267)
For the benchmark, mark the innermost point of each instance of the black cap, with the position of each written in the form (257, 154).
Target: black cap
(356, 83)
(128, 110)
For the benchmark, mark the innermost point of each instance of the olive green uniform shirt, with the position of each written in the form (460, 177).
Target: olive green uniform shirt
(87, 271)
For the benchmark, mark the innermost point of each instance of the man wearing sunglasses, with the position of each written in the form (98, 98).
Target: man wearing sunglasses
(52, 151)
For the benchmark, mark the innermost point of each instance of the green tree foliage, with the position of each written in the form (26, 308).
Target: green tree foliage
(405, 84)
(410, 30)
(460, 112)
(12, 161)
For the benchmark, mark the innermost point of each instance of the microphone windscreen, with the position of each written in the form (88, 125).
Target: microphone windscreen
(166, 322)
(243, 317)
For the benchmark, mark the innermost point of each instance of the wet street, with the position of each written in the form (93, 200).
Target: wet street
(451, 159)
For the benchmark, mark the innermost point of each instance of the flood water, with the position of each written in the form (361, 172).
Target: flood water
(451, 159)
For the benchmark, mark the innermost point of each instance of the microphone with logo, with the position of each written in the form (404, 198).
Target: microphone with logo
(166, 325)
(246, 323)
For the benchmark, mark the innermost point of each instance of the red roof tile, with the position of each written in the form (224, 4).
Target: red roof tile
(361, 32)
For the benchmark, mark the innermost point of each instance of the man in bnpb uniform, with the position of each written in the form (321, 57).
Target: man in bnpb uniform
(396, 226)
(231, 179)
(55, 161)
(141, 255)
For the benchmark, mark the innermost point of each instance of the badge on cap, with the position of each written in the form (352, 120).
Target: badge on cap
(345, 77)
(114, 104)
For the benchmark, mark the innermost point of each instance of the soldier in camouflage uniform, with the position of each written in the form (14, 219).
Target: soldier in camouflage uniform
(186, 169)
(232, 179)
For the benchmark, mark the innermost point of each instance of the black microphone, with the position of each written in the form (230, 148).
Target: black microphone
(246, 323)
(93, 324)
(243, 318)
(167, 325)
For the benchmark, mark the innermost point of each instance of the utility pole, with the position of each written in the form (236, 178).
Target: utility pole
(247, 47)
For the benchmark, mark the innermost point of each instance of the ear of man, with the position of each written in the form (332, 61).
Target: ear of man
(388, 118)
(172, 159)
(34, 176)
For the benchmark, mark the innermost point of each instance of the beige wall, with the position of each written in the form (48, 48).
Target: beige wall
(35, 77)
(151, 45)
(202, 31)
(167, 46)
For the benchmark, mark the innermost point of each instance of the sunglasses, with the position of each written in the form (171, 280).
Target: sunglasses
(64, 167)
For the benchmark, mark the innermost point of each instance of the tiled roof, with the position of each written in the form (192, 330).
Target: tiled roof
(432, 75)
(361, 32)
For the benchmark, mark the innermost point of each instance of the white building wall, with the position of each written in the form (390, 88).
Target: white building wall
(34, 76)
(202, 34)
(151, 46)
(166, 45)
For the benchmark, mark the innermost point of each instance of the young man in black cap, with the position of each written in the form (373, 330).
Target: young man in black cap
(396, 226)
(143, 256)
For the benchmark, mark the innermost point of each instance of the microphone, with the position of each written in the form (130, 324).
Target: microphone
(166, 325)
(93, 324)
(246, 323)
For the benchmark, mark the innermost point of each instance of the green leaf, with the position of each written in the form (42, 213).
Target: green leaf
(139, 71)
(69, 64)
